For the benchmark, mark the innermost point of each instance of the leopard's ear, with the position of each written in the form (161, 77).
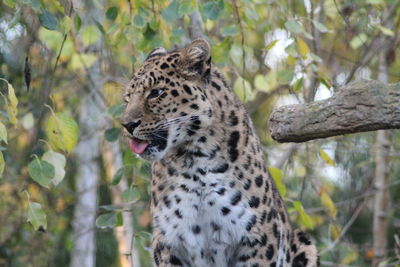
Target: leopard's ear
(195, 60)
(156, 52)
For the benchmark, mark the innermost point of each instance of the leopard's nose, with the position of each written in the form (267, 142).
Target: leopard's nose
(131, 126)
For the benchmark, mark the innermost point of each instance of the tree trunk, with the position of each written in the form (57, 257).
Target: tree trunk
(381, 200)
(87, 156)
(129, 256)
(87, 179)
(358, 107)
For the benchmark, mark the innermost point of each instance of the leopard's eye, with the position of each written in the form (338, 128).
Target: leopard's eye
(155, 93)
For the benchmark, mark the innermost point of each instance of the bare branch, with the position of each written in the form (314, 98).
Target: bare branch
(358, 107)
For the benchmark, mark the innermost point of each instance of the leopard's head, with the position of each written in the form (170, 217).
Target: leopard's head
(166, 101)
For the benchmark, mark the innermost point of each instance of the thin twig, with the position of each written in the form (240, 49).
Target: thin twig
(346, 227)
(239, 20)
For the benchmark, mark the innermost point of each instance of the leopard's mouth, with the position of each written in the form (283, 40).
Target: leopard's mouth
(138, 146)
(156, 140)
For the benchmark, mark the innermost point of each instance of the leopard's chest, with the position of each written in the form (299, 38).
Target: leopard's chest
(204, 221)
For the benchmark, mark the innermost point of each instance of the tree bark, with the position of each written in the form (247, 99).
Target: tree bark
(358, 107)
(87, 179)
(382, 174)
(87, 155)
(381, 200)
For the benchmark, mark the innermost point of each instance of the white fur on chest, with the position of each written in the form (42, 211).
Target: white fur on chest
(205, 221)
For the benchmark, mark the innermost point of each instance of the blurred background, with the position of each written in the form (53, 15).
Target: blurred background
(72, 194)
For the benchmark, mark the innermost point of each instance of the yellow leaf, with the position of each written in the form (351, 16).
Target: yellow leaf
(271, 45)
(90, 35)
(66, 24)
(304, 218)
(242, 89)
(277, 176)
(350, 257)
(11, 103)
(302, 47)
(3, 132)
(2, 164)
(62, 131)
(328, 203)
(335, 230)
(385, 30)
(326, 157)
(82, 61)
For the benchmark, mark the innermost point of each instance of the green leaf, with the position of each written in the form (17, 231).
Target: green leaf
(48, 20)
(186, 7)
(271, 45)
(65, 24)
(3, 132)
(171, 14)
(305, 219)
(58, 161)
(358, 40)
(149, 33)
(100, 27)
(326, 157)
(266, 83)
(130, 195)
(116, 110)
(112, 134)
(2, 164)
(285, 76)
(118, 176)
(120, 219)
(107, 220)
(112, 13)
(320, 27)
(230, 30)
(242, 89)
(10, 3)
(298, 85)
(90, 35)
(212, 9)
(293, 26)
(145, 239)
(260, 82)
(77, 22)
(277, 176)
(11, 103)
(41, 172)
(37, 216)
(62, 131)
(139, 21)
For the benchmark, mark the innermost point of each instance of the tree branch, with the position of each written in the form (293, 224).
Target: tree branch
(358, 107)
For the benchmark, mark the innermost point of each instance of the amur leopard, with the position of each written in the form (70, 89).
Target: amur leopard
(213, 202)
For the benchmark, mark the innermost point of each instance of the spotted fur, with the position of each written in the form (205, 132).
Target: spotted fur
(213, 201)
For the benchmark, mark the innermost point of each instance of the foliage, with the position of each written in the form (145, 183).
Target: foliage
(271, 52)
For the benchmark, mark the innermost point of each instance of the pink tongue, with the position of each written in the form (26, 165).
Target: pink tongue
(138, 146)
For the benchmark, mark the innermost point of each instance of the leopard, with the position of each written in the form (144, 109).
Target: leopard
(213, 202)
